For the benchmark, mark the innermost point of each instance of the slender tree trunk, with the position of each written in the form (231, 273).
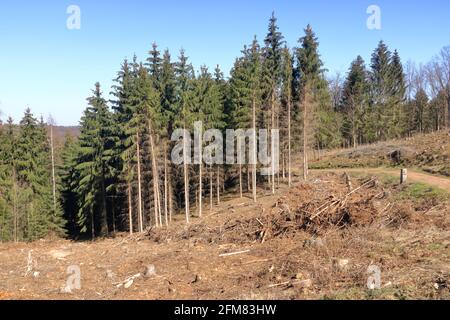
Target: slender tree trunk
(138, 156)
(165, 186)
(113, 215)
(255, 143)
(92, 224)
(272, 145)
(104, 229)
(248, 179)
(200, 187)
(155, 173)
(130, 209)
(289, 141)
(211, 185)
(240, 180)
(305, 141)
(186, 178)
(170, 200)
(218, 184)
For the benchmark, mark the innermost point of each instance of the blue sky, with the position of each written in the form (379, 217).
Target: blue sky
(52, 69)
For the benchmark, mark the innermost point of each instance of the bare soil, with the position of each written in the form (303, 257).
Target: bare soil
(313, 241)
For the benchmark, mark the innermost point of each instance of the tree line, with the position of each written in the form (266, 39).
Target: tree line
(116, 176)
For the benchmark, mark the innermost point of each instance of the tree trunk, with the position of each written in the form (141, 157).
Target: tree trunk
(305, 141)
(211, 187)
(165, 186)
(113, 216)
(138, 156)
(130, 209)
(15, 205)
(170, 201)
(289, 142)
(254, 147)
(186, 179)
(248, 178)
(240, 180)
(104, 229)
(271, 142)
(200, 188)
(218, 185)
(92, 225)
(155, 173)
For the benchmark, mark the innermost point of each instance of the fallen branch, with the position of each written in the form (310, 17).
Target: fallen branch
(304, 283)
(233, 253)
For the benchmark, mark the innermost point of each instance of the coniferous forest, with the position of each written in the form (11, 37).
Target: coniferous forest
(116, 175)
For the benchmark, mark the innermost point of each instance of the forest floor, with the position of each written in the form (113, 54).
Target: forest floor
(317, 240)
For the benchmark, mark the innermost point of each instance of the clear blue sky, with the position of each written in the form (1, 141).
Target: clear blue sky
(52, 69)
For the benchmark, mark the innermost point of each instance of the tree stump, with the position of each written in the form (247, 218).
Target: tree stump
(403, 176)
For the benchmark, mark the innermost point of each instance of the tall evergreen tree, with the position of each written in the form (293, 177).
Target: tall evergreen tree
(354, 102)
(93, 165)
(325, 122)
(184, 116)
(272, 78)
(36, 216)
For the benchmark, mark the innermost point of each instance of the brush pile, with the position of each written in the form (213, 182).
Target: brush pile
(318, 207)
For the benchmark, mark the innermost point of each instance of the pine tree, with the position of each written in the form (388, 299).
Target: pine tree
(122, 159)
(154, 64)
(245, 96)
(148, 120)
(272, 78)
(354, 102)
(184, 116)
(93, 165)
(168, 103)
(35, 214)
(68, 185)
(397, 96)
(381, 81)
(324, 122)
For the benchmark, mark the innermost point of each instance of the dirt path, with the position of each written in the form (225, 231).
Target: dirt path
(414, 176)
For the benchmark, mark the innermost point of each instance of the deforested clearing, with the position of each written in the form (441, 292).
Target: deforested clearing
(314, 241)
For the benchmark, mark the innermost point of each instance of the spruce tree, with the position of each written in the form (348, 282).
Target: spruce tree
(68, 185)
(245, 98)
(93, 165)
(324, 122)
(272, 78)
(168, 103)
(184, 116)
(354, 102)
(35, 211)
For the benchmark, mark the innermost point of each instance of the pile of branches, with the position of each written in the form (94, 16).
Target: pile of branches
(319, 214)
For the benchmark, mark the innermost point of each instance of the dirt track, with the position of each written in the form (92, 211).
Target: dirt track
(433, 180)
